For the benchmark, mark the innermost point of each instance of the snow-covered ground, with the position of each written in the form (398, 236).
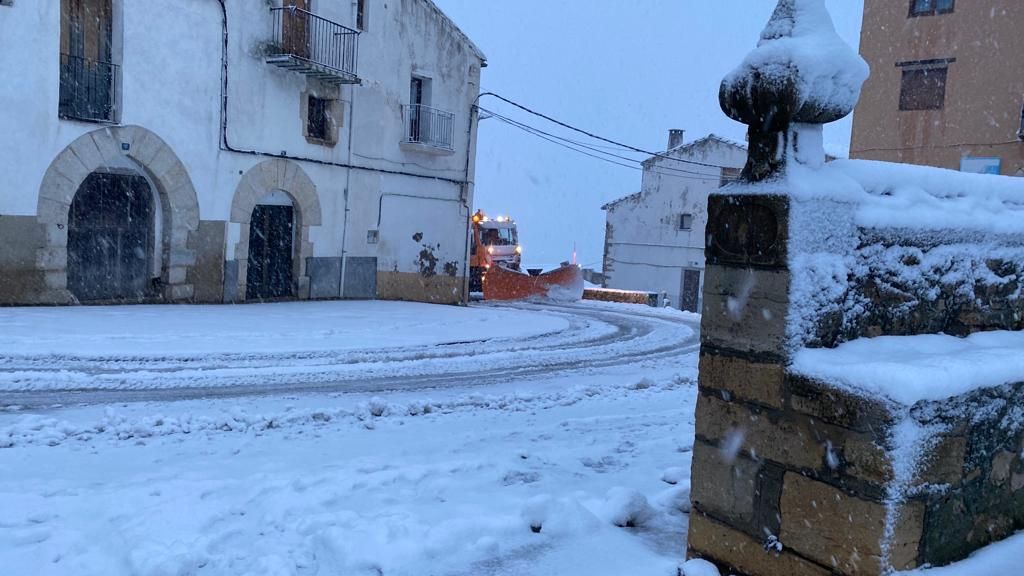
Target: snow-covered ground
(577, 466)
(533, 473)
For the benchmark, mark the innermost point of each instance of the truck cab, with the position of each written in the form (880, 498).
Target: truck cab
(495, 241)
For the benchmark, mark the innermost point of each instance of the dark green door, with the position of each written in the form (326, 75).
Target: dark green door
(270, 253)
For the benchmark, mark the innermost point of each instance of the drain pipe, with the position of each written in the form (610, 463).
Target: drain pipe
(348, 189)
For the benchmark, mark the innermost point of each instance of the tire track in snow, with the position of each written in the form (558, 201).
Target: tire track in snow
(597, 337)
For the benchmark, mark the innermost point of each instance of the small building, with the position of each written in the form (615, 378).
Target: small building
(946, 86)
(234, 150)
(654, 239)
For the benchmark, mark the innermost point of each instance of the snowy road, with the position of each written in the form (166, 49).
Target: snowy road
(594, 337)
(558, 442)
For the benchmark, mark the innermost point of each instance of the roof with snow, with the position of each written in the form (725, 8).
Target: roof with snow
(691, 146)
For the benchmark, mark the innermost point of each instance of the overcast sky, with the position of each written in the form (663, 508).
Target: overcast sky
(626, 69)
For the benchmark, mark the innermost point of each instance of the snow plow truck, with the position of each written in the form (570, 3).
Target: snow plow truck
(495, 258)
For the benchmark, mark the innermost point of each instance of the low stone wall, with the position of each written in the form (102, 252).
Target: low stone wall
(794, 476)
(622, 296)
(780, 455)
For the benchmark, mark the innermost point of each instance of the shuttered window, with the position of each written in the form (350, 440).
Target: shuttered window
(923, 89)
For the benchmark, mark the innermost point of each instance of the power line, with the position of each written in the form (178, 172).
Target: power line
(576, 145)
(527, 127)
(595, 136)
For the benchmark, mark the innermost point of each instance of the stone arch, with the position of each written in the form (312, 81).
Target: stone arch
(272, 175)
(152, 156)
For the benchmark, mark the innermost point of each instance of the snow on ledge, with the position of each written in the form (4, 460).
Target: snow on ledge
(903, 196)
(909, 369)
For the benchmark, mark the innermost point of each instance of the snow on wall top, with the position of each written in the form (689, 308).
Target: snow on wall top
(903, 196)
(924, 198)
(801, 41)
(908, 369)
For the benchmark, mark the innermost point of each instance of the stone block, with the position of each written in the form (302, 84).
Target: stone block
(162, 163)
(866, 460)
(744, 379)
(748, 230)
(745, 325)
(207, 276)
(231, 288)
(729, 280)
(51, 210)
(109, 148)
(724, 487)
(145, 147)
(736, 552)
(945, 463)
(836, 529)
(837, 407)
(179, 293)
(765, 434)
(88, 155)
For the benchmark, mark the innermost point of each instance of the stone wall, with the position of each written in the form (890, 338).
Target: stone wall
(793, 476)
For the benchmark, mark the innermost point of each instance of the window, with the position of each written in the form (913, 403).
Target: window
(88, 75)
(318, 122)
(361, 14)
(729, 175)
(686, 221)
(930, 7)
(6, 2)
(923, 89)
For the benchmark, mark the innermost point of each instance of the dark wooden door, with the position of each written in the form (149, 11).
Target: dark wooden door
(110, 237)
(689, 294)
(295, 28)
(270, 253)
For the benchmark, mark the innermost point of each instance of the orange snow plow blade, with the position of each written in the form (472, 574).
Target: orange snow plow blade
(564, 283)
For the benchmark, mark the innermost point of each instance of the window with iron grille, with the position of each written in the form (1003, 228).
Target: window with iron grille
(318, 124)
(923, 89)
(930, 7)
(686, 221)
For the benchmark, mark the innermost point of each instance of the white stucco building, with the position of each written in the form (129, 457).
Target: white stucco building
(654, 239)
(231, 150)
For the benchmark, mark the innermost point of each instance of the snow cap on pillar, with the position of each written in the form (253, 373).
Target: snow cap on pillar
(800, 76)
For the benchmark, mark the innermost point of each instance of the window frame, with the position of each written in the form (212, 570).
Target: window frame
(685, 223)
(933, 11)
(908, 69)
(361, 13)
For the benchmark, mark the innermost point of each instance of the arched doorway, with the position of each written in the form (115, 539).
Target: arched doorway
(271, 248)
(110, 238)
(289, 200)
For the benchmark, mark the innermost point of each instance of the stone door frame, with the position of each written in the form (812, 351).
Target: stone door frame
(96, 151)
(262, 179)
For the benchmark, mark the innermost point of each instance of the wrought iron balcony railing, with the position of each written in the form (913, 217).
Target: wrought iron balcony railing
(429, 126)
(87, 89)
(314, 46)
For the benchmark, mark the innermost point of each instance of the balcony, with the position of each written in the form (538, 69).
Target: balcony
(428, 129)
(87, 89)
(314, 46)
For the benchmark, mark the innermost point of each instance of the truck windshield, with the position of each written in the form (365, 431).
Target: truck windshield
(498, 237)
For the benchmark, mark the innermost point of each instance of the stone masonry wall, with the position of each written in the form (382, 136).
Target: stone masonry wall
(795, 477)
